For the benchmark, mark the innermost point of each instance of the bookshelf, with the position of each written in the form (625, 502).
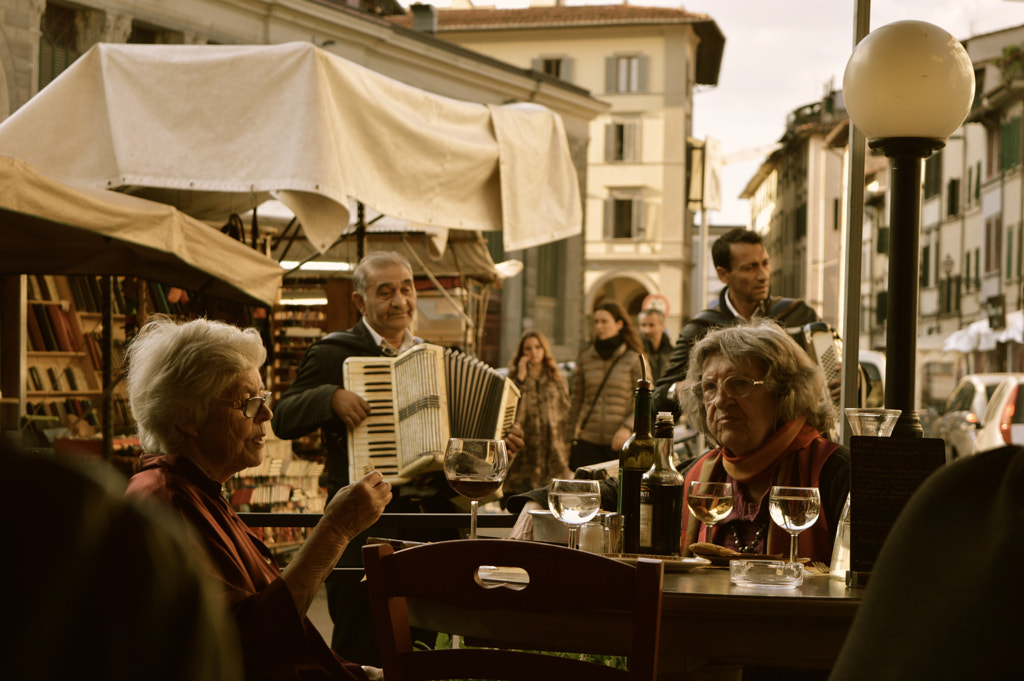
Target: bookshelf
(295, 328)
(63, 359)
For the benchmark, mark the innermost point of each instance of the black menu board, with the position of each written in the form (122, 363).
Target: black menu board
(885, 472)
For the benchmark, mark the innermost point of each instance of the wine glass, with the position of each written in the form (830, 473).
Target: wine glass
(574, 502)
(709, 503)
(475, 468)
(794, 509)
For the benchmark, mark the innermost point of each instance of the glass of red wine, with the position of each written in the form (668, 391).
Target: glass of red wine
(475, 468)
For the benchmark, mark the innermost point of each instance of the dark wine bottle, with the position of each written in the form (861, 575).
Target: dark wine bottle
(661, 495)
(636, 458)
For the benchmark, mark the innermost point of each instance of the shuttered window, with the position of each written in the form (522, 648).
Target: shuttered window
(626, 73)
(622, 141)
(624, 216)
(1009, 144)
(58, 42)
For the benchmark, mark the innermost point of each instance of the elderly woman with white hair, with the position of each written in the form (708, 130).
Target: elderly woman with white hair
(198, 398)
(762, 401)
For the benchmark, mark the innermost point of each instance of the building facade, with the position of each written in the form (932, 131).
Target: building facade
(645, 63)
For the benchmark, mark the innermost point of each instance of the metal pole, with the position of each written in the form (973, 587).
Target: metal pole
(905, 155)
(854, 243)
(106, 283)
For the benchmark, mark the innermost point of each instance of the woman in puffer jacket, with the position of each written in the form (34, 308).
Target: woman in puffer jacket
(602, 396)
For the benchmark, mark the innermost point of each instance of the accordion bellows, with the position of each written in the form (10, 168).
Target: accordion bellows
(418, 400)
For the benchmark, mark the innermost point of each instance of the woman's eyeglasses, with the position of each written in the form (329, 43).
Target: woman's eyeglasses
(251, 406)
(735, 386)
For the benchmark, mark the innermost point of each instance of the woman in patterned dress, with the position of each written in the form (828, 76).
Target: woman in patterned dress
(542, 414)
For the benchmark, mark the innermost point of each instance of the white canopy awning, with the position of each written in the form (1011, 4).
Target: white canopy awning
(980, 336)
(215, 129)
(48, 225)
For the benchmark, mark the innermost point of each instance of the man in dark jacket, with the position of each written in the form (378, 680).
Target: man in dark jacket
(385, 293)
(741, 262)
(657, 345)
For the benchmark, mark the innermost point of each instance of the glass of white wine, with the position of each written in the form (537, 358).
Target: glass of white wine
(709, 502)
(794, 509)
(475, 468)
(575, 503)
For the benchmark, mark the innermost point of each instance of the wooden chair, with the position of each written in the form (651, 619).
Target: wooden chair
(573, 602)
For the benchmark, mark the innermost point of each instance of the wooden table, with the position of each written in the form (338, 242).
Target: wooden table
(704, 616)
(707, 619)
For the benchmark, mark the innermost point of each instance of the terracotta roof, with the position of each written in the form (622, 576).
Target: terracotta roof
(709, 57)
(552, 17)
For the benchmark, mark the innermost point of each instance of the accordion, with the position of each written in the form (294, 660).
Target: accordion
(418, 400)
(824, 346)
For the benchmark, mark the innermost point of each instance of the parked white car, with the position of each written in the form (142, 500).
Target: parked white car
(1004, 416)
(964, 414)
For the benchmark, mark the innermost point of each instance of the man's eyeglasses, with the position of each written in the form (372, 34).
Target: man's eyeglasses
(251, 406)
(735, 386)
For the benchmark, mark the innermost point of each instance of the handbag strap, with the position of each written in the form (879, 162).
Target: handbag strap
(598, 393)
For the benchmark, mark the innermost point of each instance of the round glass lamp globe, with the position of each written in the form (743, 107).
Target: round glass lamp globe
(908, 79)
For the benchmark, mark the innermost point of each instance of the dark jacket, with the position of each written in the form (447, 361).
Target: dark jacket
(659, 359)
(790, 312)
(306, 406)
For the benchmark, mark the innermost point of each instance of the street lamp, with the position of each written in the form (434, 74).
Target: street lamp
(908, 86)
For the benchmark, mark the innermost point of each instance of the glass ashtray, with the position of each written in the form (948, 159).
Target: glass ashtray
(771, 574)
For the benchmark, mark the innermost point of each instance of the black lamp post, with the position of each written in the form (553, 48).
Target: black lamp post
(908, 86)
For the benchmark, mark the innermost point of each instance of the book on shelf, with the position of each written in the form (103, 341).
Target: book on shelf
(35, 334)
(51, 286)
(56, 379)
(45, 327)
(81, 294)
(92, 348)
(36, 378)
(42, 287)
(62, 328)
(33, 288)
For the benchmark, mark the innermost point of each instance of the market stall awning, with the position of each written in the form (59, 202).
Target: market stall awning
(436, 251)
(215, 129)
(982, 337)
(49, 225)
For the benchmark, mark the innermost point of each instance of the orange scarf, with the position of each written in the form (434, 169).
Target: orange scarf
(744, 468)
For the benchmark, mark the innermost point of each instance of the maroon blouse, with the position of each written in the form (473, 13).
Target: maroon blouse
(277, 643)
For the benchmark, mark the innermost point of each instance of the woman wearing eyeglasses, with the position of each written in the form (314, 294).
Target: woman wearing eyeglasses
(202, 413)
(762, 401)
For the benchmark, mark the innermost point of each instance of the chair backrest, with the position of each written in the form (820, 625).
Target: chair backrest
(573, 602)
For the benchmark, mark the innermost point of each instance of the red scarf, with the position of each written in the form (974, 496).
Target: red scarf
(746, 467)
(793, 455)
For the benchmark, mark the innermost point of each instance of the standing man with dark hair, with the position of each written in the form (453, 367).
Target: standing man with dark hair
(657, 346)
(385, 293)
(741, 263)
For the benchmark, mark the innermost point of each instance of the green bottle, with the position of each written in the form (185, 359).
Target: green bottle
(635, 459)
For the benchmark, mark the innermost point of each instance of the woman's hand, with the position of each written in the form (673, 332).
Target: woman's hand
(353, 509)
(359, 505)
(523, 371)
